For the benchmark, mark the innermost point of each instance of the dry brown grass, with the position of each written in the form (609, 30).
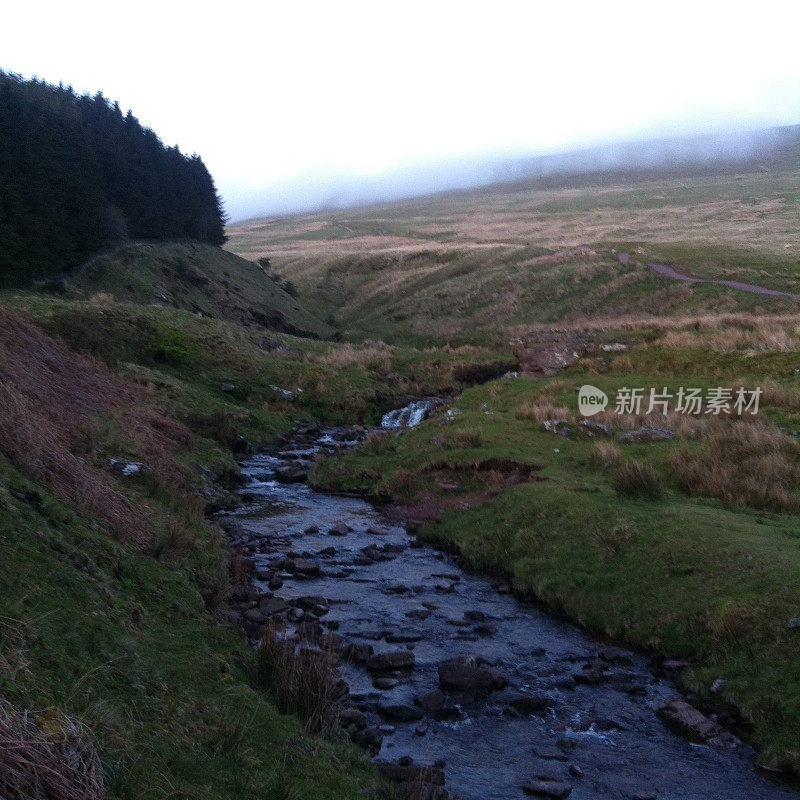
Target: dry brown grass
(40, 760)
(372, 356)
(49, 401)
(241, 568)
(605, 455)
(304, 682)
(637, 479)
(743, 464)
(541, 410)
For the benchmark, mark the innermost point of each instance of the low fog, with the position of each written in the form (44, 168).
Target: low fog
(323, 191)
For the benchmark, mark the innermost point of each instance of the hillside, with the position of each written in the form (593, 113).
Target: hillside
(459, 267)
(671, 532)
(202, 279)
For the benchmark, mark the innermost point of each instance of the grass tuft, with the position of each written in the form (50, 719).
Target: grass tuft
(637, 479)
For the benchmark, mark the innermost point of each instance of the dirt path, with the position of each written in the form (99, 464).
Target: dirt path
(671, 272)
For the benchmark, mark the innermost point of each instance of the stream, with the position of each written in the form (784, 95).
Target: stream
(555, 710)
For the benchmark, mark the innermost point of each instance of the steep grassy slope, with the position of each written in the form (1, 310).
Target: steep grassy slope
(110, 586)
(464, 266)
(198, 278)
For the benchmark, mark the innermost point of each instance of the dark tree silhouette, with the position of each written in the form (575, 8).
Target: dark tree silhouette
(78, 176)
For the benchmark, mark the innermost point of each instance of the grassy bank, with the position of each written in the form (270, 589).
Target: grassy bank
(688, 547)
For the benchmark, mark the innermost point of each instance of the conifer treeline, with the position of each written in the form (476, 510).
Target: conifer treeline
(78, 176)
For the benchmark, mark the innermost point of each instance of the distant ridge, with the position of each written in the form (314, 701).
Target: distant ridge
(711, 153)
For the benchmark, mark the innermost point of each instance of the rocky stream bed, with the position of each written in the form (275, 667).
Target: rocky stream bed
(455, 686)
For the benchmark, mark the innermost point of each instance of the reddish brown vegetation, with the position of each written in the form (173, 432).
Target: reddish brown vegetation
(37, 766)
(304, 682)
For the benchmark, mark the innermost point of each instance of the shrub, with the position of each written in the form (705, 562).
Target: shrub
(637, 479)
(539, 411)
(378, 444)
(175, 346)
(743, 464)
(305, 683)
(37, 765)
(605, 455)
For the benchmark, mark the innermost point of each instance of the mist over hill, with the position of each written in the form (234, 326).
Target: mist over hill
(712, 152)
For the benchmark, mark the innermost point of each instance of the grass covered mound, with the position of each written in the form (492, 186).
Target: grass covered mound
(199, 278)
(687, 546)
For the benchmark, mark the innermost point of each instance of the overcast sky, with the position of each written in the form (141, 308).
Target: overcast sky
(275, 94)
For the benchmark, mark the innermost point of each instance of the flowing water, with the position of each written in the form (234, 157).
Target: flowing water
(608, 731)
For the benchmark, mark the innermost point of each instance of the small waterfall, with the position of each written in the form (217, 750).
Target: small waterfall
(407, 417)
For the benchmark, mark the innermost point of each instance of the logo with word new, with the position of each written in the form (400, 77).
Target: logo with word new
(591, 400)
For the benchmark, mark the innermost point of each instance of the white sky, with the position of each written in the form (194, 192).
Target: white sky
(268, 92)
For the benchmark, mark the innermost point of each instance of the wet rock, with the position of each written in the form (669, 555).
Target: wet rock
(392, 637)
(378, 530)
(550, 753)
(301, 566)
(275, 583)
(327, 552)
(647, 794)
(352, 716)
(556, 790)
(687, 721)
(255, 615)
(475, 616)
(464, 674)
(311, 529)
(575, 771)
(395, 659)
(418, 613)
(272, 605)
(356, 652)
(530, 703)
(438, 705)
(332, 642)
(398, 710)
(310, 630)
(368, 738)
(245, 593)
(374, 553)
(485, 630)
(628, 682)
(647, 433)
(592, 428)
(339, 529)
(445, 588)
(410, 773)
(291, 473)
(125, 468)
(614, 655)
(397, 588)
(592, 674)
(309, 601)
(557, 426)
(385, 684)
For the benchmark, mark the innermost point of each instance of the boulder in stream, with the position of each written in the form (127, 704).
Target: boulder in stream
(395, 659)
(464, 674)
